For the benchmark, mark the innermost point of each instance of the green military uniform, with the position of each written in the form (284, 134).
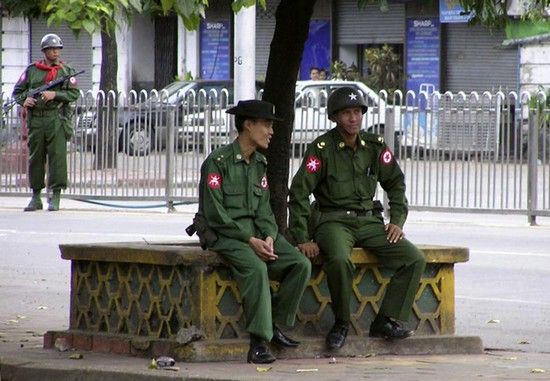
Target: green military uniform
(234, 199)
(343, 181)
(49, 125)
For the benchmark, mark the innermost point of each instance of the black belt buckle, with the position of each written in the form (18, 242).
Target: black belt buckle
(362, 213)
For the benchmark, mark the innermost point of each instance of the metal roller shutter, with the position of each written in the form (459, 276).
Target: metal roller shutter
(265, 26)
(369, 25)
(476, 61)
(76, 52)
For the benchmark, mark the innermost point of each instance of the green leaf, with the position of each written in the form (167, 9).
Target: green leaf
(89, 26)
(136, 4)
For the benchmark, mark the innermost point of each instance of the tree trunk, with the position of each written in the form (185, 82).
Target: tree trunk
(107, 147)
(287, 47)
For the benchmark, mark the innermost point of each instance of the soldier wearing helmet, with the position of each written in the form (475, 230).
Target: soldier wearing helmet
(49, 121)
(342, 168)
(51, 40)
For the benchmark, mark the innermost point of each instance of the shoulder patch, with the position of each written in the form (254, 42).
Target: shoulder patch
(313, 164)
(386, 157)
(263, 183)
(214, 180)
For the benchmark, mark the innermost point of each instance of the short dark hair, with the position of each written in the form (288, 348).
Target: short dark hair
(239, 122)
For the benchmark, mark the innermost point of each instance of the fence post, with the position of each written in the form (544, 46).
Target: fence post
(206, 133)
(532, 168)
(389, 137)
(170, 130)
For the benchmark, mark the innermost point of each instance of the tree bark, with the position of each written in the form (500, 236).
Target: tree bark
(107, 147)
(287, 47)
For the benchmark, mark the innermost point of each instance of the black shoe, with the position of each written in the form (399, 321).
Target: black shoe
(259, 354)
(34, 204)
(281, 339)
(337, 335)
(388, 328)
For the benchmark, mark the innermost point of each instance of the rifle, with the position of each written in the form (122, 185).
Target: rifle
(35, 93)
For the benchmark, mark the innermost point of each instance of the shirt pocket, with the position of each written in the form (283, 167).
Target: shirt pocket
(257, 196)
(234, 197)
(341, 185)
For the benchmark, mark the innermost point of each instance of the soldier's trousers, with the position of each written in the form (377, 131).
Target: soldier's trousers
(47, 143)
(337, 237)
(261, 309)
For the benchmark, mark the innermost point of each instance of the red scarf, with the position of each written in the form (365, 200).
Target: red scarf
(51, 70)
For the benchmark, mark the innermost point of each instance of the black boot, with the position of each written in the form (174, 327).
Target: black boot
(388, 328)
(35, 203)
(53, 205)
(281, 339)
(259, 352)
(337, 335)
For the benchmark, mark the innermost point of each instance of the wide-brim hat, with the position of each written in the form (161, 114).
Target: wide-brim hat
(255, 109)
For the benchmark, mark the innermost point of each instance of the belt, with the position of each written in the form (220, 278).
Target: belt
(47, 112)
(347, 213)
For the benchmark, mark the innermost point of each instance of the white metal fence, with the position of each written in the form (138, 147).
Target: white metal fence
(469, 152)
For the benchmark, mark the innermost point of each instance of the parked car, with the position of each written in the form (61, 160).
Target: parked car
(311, 117)
(142, 124)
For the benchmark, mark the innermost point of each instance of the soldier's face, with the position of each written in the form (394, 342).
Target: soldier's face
(349, 120)
(52, 54)
(261, 132)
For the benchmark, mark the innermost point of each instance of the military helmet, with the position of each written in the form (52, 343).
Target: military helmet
(345, 97)
(51, 40)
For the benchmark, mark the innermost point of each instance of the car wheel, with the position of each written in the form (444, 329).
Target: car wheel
(137, 140)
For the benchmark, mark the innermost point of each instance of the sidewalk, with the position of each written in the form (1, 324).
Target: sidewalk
(22, 358)
(46, 365)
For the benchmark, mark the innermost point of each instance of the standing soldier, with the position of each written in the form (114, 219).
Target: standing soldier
(342, 168)
(237, 222)
(49, 121)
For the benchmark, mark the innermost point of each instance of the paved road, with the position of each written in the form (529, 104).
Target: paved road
(501, 292)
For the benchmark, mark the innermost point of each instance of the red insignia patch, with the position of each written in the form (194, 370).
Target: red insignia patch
(386, 156)
(313, 164)
(263, 183)
(214, 180)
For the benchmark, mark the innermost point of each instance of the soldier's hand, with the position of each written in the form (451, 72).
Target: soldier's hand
(309, 249)
(29, 102)
(393, 233)
(263, 249)
(48, 96)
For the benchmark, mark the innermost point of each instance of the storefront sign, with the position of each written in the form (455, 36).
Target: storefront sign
(317, 48)
(450, 11)
(214, 43)
(423, 54)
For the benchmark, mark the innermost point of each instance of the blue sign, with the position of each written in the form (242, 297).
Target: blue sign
(450, 11)
(214, 46)
(423, 54)
(317, 48)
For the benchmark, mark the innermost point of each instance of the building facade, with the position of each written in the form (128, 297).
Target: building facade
(449, 56)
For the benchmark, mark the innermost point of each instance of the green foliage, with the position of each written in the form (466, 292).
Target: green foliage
(341, 71)
(385, 69)
(540, 104)
(237, 5)
(493, 13)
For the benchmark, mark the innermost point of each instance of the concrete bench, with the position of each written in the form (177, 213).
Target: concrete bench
(174, 298)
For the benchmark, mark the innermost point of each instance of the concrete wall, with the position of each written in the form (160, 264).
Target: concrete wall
(535, 66)
(15, 51)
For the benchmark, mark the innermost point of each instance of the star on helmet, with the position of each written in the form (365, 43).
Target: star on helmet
(353, 96)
